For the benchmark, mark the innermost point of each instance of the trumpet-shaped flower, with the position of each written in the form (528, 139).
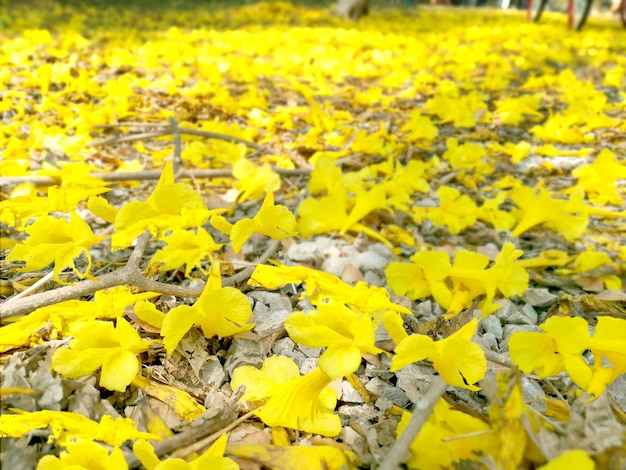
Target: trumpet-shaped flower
(425, 276)
(420, 128)
(609, 352)
(599, 179)
(578, 459)
(97, 344)
(274, 221)
(185, 248)
(458, 360)
(557, 348)
(435, 447)
(320, 286)
(489, 212)
(346, 333)
(170, 206)
(468, 156)
(254, 181)
(457, 211)
(340, 213)
(470, 279)
(219, 311)
(67, 425)
(213, 458)
(55, 241)
(84, 454)
(298, 402)
(567, 217)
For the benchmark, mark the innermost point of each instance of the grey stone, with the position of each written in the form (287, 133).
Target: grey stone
(369, 261)
(310, 352)
(488, 341)
(529, 312)
(383, 403)
(383, 250)
(414, 380)
(523, 316)
(533, 394)
(286, 347)
(381, 388)
(243, 352)
(507, 308)
(373, 279)
(335, 265)
(424, 309)
(349, 394)
(539, 297)
(308, 365)
(270, 323)
(358, 411)
(305, 251)
(491, 324)
(354, 441)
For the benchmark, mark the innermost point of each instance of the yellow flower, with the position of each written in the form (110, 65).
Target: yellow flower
(346, 333)
(558, 348)
(55, 241)
(84, 454)
(219, 311)
(435, 446)
(458, 360)
(170, 206)
(572, 459)
(298, 402)
(274, 221)
(425, 276)
(212, 459)
(97, 344)
(254, 181)
(65, 425)
(185, 248)
(457, 211)
(567, 217)
(609, 351)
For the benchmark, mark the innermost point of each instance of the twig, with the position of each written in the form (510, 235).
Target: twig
(207, 441)
(32, 289)
(143, 176)
(128, 275)
(246, 273)
(129, 124)
(423, 409)
(182, 130)
(211, 425)
(496, 358)
(177, 144)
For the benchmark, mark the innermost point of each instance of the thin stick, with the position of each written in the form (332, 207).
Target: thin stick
(246, 273)
(177, 144)
(146, 175)
(32, 289)
(211, 425)
(423, 408)
(207, 441)
(182, 130)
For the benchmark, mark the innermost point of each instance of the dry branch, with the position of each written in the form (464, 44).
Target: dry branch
(182, 130)
(144, 176)
(423, 408)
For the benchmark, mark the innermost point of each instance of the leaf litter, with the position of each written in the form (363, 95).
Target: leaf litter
(373, 206)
